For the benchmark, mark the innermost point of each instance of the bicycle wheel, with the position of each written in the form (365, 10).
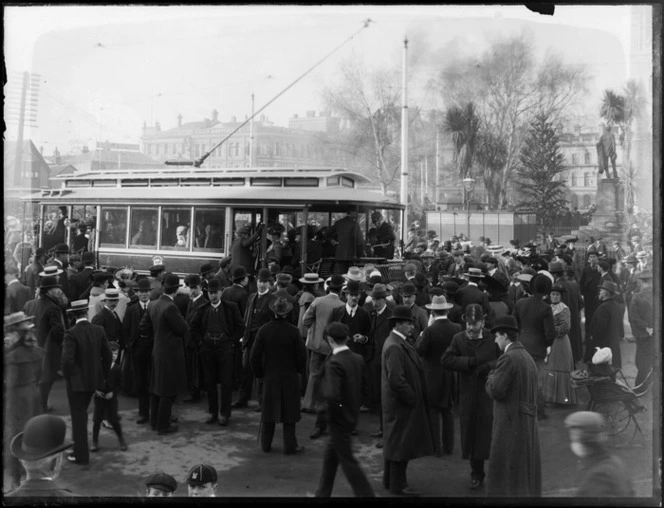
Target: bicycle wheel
(620, 423)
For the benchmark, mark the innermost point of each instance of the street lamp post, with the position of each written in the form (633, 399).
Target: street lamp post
(468, 185)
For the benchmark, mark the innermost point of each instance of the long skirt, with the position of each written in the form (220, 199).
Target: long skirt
(556, 373)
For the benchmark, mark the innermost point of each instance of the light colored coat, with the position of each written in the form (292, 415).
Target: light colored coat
(316, 318)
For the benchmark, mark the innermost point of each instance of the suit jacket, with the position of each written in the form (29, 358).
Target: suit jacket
(238, 295)
(86, 357)
(41, 488)
(380, 329)
(385, 234)
(257, 314)
(472, 294)
(421, 321)
(193, 338)
(232, 324)
(606, 329)
(32, 275)
(15, 297)
(348, 233)
(316, 318)
(50, 329)
(440, 382)
(111, 324)
(360, 323)
(80, 282)
(164, 322)
(130, 328)
(535, 320)
(342, 389)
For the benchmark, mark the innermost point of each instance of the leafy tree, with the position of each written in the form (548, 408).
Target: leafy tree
(463, 125)
(540, 170)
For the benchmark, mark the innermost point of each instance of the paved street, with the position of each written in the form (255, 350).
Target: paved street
(245, 471)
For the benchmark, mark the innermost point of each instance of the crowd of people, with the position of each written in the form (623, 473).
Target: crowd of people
(491, 332)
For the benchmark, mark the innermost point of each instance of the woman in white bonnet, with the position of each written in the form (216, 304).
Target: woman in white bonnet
(181, 233)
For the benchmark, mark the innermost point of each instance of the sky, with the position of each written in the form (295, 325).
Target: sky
(105, 70)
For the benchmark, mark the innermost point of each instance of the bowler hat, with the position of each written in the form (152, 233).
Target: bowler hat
(408, 289)
(88, 257)
(609, 286)
(541, 284)
(171, 281)
(42, 436)
(504, 323)
(50, 271)
(39, 252)
(192, 280)
(435, 291)
(281, 306)
(78, 305)
(439, 303)
(206, 268)
(450, 287)
(156, 269)
(353, 287)
(379, 291)
(556, 267)
(336, 281)
(202, 474)
(420, 280)
(213, 285)
(17, 318)
(61, 248)
(49, 283)
(264, 275)
(239, 273)
(311, 278)
(143, 284)
(402, 313)
(592, 250)
(162, 481)
(287, 269)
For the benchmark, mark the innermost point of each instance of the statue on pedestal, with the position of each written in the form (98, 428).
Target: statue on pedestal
(606, 149)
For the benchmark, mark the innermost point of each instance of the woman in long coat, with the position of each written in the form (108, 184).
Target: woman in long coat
(471, 354)
(278, 356)
(23, 367)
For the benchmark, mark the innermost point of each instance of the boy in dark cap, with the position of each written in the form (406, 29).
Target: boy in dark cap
(106, 402)
(202, 481)
(160, 485)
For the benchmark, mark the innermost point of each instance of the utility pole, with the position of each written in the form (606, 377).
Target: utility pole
(18, 170)
(437, 180)
(251, 134)
(23, 113)
(404, 145)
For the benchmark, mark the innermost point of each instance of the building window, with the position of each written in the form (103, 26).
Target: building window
(277, 149)
(586, 201)
(575, 201)
(574, 182)
(586, 179)
(586, 158)
(237, 149)
(575, 159)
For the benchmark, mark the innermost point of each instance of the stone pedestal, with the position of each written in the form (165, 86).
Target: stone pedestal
(610, 202)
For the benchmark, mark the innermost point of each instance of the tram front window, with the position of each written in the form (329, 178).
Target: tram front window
(113, 232)
(143, 227)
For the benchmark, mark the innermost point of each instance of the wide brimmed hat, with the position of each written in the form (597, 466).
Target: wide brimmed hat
(49, 283)
(336, 281)
(401, 313)
(609, 286)
(439, 303)
(50, 271)
(171, 281)
(281, 306)
(379, 291)
(284, 278)
(43, 436)
(111, 294)
(355, 273)
(504, 323)
(450, 287)
(16, 318)
(311, 278)
(474, 272)
(79, 305)
(428, 254)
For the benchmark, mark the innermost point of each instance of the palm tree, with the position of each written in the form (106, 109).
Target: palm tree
(613, 108)
(634, 105)
(463, 125)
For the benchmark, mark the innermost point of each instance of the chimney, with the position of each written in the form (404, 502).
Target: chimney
(311, 113)
(56, 155)
(215, 115)
(41, 151)
(295, 116)
(179, 119)
(157, 126)
(234, 119)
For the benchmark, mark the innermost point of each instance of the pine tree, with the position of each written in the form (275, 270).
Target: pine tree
(540, 173)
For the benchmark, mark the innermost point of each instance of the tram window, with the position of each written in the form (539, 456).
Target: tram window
(143, 227)
(55, 225)
(209, 229)
(113, 232)
(176, 228)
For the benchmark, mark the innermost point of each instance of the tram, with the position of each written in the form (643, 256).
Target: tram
(183, 217)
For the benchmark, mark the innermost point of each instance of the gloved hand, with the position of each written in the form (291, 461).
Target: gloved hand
(483, 370)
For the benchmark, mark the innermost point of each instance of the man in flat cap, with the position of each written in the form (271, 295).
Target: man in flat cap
(160, 485)
(606, 326)
(515, 468)
(202, 481)
(601, 474)
(40, 448)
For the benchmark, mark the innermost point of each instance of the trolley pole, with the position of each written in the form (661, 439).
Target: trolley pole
(251, 134)
(404, 146)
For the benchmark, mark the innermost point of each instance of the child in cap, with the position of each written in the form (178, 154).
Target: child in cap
(202, 481)
(106, 402)
(160, 485)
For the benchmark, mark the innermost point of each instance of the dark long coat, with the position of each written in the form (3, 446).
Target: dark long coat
(535, 320)
(572, 298)
(589, 284)
(86, 357)
(164, 322)
(50, 328)
(441, 382)
(360, 323)
(470, 293)
(380, 329)
(348, 233)
(407, 432)
(515, 468)
(16, 295)
(605, 331)
(475, 405)
(340, 386)
(111, 324)
(278, 356)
